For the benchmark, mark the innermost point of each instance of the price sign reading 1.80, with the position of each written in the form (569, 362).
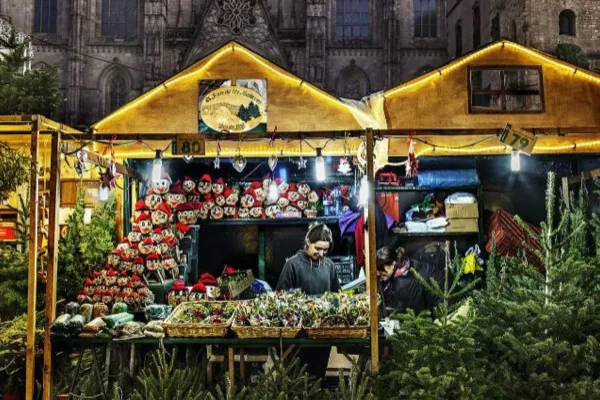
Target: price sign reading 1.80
(518, 139)
(190, 145)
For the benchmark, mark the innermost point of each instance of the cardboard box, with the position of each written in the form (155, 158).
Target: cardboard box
(463, 225)
(462, 211)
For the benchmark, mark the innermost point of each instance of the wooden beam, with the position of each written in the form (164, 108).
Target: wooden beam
(69, 148)
(593, 174)
(53, 235)
(33, 256)
(372, 254)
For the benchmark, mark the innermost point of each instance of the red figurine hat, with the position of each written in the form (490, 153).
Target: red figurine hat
(182, 227)
(116, 252)
(172, 243)
(166, 176)
(137, 228)
(111, 272)
(206, 178)
(143, 217)
(208, 197)
(152, 256)
(199, 287)
(88, 282)
(220, 181)
(138, 260)
(208, 279)
(157, 230)
(140, 205)
(178, 285)
(176, 188)
(124, 274)
(185, 207)
(164, 208)
(148, 241)
(125, 240)
(95, 274)
(293, 187)
(227, 192)
(255, 185)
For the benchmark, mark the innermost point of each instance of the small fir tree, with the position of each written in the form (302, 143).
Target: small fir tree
(572, 54)
(98, 237)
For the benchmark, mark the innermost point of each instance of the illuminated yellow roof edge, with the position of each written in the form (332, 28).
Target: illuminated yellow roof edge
(200, 65)
(478, 53)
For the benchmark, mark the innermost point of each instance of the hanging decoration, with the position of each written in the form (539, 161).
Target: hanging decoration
(188, 159)
(344, 166)
(272, 161)
(412, 164)
(301, 162)
(81, 161)
(217, 161)
(108, 178)
(239, 162)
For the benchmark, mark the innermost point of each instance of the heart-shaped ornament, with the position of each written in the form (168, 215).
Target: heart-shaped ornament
(272, 162)
(188, 159)
(239, 163)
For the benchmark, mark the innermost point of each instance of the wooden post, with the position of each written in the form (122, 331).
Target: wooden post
(231, 367)
(53, 235)
(33, 255)
(371, 255)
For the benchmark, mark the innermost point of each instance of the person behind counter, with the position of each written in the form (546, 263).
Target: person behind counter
(312, 272)
(401, 290)
(309, 269)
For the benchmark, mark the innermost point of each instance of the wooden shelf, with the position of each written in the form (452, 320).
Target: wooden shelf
(275, 222)
(434, 234)
(422, 189)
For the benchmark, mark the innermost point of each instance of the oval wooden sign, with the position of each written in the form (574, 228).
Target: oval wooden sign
(232, 109)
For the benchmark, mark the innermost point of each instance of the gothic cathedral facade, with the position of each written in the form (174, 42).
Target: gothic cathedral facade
(110, 51)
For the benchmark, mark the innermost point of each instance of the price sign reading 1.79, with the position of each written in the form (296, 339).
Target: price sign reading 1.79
(518, 139)
(190, 145)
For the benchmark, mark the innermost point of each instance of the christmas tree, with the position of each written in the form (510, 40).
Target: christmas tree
(70, 254)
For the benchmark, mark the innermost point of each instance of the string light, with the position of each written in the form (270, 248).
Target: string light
(273, 194)
(515, 161)
(320, 165)
(157, 167)
(104, 192)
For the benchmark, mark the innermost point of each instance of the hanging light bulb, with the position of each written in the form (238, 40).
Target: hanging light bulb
(363, 195)
(157, 167)
(273, 194)
(320, 165)
(104, 192)
(515, 161)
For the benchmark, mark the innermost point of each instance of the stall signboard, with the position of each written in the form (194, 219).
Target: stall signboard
(7, 232)
(518, 139)
(232, 106)
(189, 145)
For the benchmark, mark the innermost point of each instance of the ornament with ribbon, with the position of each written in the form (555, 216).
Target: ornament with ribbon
(81, 160)
(412, 164)
(108, 178)
(272, 161)
(217, 161)
(239, 162)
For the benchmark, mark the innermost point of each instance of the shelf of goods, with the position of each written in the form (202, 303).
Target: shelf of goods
(275, 221)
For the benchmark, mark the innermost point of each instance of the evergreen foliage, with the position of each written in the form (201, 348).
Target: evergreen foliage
(99, 236)
(359, 386)
(572, 54)
(14, 169)
(162, 380)
(32, 91)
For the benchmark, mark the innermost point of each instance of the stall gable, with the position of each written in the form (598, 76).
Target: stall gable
(440, 99)
(172, 107)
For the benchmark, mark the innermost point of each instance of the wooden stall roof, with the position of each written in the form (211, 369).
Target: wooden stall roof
(439, 100)
(22, 124)
(172, 106)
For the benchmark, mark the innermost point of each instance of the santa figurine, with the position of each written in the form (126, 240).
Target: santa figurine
(114, 258)
(160, 216)
(293, 194)
(83, 297)
(163, 247)
(153, 266)
(202, 211)
(111, 277)
(168, 233)
(181, 230)
(123, 279)
(248, 198)
(243, 212)
(107, 297)
(231, 197)
(97, 296)
(272, 210)
(138, 266)
(152, 200)
(260, 194)
(144, 222)
(282, 186)
(216, 213)
(302, 203)
(229, 211)
(123, 245)
(188, 185)
(193, 196)
(266, 182)
(130, 300)
(140, 208)
(135, 236)
(133, 251)
(303, 188)
(218, 186)
(169, 266)
(126, 263)
(186, 214)
(205, 184)
(175, 196)
(147, 246)
(128, 288)
(156, 235)
(220, 199)
(313, 197)
(146, 296)
(283, 201)
(119, 297)
(162, 185)
(198, 292)
(135, 281)
(88, 286)
(96, 278)
(257, 210)
(209, 201)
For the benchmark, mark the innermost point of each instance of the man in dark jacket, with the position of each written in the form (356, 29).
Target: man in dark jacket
(401, 290)
(312, 272)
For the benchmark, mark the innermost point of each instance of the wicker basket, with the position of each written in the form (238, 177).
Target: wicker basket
(263, 332)
(195, 330)
(338, 332)
(233, 290)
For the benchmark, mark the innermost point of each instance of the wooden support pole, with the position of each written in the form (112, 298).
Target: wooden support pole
(371, 255)
(33, 255)
(231, 367)
(53, 235)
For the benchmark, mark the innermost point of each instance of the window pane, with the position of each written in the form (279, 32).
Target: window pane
(486, 102)
(486, 79)
(520, 103)
(522, 79)
(119, 18)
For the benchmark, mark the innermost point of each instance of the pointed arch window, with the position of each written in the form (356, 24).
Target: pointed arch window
(44, 16)
(117, 93)
(476, 27)
(425, 18)
(566, 23)
(119, 18)
(459, 39)
(351, 19)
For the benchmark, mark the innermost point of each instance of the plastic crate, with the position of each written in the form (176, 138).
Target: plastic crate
(345, 267)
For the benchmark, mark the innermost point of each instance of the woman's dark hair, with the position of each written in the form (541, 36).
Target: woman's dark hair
(387, 256)
(319, 232)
